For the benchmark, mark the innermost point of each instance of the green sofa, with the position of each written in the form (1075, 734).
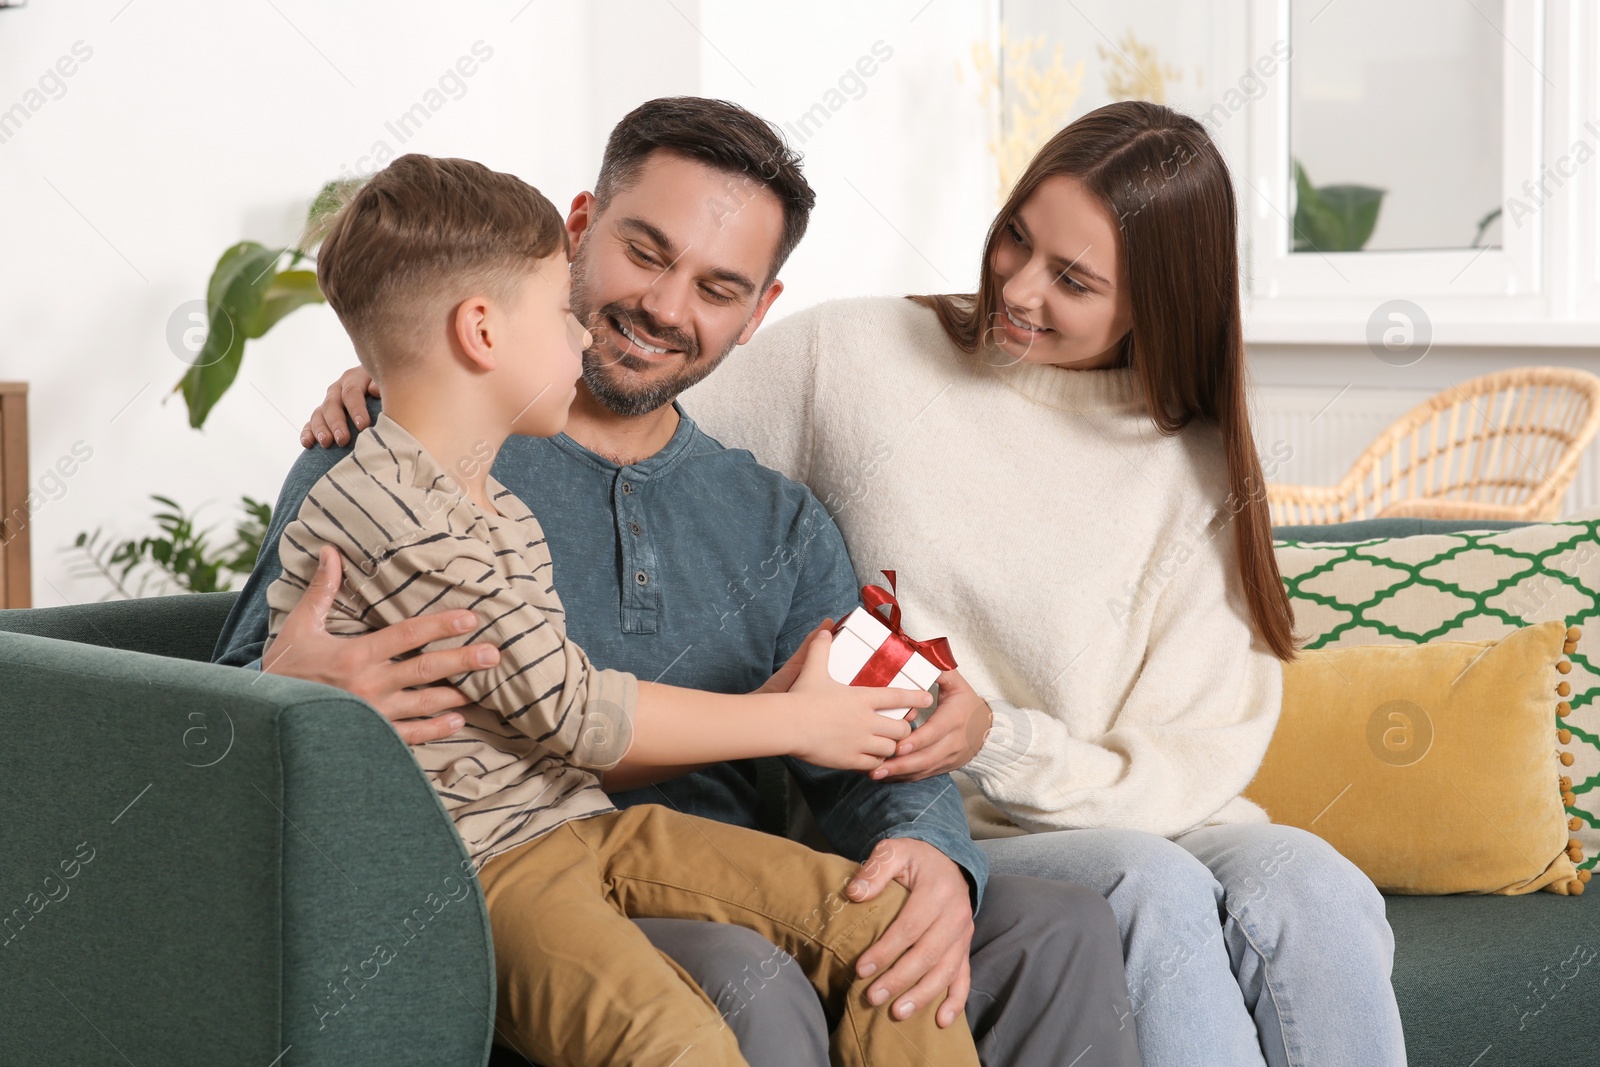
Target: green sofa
(203, 865)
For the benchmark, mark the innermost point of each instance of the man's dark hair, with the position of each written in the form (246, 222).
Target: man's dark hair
(718, 134)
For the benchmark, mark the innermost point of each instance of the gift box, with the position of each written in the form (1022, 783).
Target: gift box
(873, 651)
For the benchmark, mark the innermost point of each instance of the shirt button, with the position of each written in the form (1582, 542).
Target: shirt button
(627, 487)
(636, 528)
(641, 577)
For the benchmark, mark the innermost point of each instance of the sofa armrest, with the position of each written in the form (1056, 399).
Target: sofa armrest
(209, 865)
(184, 627)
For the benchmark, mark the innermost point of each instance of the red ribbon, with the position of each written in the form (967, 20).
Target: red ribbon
(896, 650)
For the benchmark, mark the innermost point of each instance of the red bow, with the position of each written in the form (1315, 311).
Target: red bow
(896, 650)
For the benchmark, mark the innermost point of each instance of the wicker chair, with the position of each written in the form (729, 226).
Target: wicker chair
(1503, 446)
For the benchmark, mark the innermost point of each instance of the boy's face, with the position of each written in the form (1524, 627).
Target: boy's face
(545, 346)
(669, 277)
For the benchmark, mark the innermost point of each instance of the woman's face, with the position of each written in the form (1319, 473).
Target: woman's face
(1063, 281)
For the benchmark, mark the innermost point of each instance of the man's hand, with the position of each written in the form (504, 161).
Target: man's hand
(926, 947)
(949, 739)
(365, 666)
(347, 396)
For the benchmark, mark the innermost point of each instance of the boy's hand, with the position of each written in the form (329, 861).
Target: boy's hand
(784, 679)
(365, 666)
(841, 726)
(347, 396)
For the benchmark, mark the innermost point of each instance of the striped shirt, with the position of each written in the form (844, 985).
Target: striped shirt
(413, 542)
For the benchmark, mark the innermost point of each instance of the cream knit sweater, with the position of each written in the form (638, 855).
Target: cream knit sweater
(1078, 561)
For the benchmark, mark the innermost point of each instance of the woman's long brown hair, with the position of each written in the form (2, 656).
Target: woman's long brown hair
(1160, 176)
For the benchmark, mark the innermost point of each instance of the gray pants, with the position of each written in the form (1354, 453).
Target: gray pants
(1047, 982)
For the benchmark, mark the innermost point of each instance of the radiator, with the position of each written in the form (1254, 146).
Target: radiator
(1321, 431)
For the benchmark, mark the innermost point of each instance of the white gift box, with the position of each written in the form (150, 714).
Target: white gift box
(856, 638)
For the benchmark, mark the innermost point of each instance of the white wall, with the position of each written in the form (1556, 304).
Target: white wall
(194, 125)
(905, 186)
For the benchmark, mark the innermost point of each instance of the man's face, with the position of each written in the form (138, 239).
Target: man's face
(669, 277)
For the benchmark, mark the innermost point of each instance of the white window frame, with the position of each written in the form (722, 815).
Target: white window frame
(1541, 287)
(1581, 59)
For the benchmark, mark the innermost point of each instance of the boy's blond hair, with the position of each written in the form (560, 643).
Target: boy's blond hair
(421, 235)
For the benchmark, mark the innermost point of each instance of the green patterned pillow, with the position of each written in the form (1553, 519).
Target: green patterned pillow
(1470, 587)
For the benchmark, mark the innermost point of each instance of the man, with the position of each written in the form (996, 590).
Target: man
(687, 562)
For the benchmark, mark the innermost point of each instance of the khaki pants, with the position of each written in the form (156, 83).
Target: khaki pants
(580, 984)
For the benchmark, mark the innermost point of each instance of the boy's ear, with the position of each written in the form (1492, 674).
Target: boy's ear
(469, 324)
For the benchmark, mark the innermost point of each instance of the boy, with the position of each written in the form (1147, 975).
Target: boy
(452, 283)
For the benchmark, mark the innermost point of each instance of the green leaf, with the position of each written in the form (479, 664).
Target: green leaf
(238, 284)
(1313, 224)
(290, 289)
(329, 199)
(249, 294)
(245, 260)
(1333, 218)
(1304, 194)
(240, 556)
(1355, 211)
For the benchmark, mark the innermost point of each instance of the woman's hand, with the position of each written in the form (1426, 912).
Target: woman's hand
(950, 738)
(347, 396)
(841, 726)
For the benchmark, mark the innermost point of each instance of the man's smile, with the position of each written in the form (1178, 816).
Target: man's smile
(636, 342)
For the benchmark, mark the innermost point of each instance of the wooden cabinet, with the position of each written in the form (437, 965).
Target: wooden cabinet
(16, 580)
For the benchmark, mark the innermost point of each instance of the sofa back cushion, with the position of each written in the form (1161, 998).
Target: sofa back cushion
(182, 627)
(1464, 581)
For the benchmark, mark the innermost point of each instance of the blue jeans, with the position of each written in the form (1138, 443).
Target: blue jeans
(1245, 945)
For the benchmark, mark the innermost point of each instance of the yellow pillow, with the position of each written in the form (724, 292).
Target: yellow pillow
(1431, 767)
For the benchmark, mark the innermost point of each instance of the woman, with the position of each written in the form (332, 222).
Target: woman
(1061, 470)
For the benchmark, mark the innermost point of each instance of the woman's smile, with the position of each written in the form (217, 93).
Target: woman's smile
(1021, 329)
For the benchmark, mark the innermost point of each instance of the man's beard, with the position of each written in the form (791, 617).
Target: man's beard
(599, 371)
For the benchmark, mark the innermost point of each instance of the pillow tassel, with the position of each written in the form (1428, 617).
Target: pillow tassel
(1573, 886)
